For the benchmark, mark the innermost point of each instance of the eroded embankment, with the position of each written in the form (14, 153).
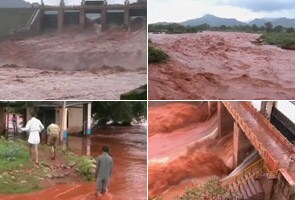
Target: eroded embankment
(220, 65)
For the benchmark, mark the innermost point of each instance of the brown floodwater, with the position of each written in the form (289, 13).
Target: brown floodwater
(73, 65)
(221, 65)
(186, 154)
(128, 147)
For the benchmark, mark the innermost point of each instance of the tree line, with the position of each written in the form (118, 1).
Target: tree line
(175, 28)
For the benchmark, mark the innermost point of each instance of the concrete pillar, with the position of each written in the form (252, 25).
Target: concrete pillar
(64, 135)
(241, 145)
(60, 19)
(2, 119)
(268, 188)
(127, 18)
(225, 120)
(89, 131)
(40, 21)
(266, 108)
(82, 18)
(86, 140)
(103, 19)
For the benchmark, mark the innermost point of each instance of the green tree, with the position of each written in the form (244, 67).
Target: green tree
(278, 29)
(122, 112)
(254, 28)
(268, 26)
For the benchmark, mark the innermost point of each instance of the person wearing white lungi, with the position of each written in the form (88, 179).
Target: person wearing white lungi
(34, 127)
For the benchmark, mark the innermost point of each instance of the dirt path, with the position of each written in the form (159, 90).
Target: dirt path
(219, 65)
(73, 65)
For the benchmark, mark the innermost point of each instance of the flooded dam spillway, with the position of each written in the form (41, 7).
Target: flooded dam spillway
(74, 64)
(179, 154)
(221, 65)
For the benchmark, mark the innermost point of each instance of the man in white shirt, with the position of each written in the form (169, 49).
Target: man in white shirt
(34, 127)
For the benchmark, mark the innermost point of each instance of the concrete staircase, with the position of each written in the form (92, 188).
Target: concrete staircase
(247, 188)
(245, 184)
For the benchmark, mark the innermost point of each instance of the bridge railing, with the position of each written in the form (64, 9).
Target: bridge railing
(255, 170)
(273, 131)
(272, 163)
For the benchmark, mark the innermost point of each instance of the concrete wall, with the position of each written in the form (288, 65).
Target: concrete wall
(2, 120)
(75, 120)
(225, 120)
(281, 189)
(242, 146)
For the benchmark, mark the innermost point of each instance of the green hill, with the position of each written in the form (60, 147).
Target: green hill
(13, 18)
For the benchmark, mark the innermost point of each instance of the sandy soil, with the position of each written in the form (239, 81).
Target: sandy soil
(218, 65)
(179, 158)
(73, 65)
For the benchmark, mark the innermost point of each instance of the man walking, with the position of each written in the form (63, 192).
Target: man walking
(53, 132)
(34, 127)
(104, 169)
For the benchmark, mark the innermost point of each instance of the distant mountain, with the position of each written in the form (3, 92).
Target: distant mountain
(14, 4)
(217, 21)
(162, 23)
(275, 22)
(212, 21)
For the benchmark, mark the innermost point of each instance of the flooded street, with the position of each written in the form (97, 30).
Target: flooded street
(221, 65)
(128, 147)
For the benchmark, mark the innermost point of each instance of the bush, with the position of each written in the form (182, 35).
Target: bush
(284, 40)
(210, 190)
(157, 55)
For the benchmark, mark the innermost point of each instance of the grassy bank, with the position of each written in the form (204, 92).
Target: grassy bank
(15, 174)
(157, 55)
(85, 165)
(284, 40)
(13, 18)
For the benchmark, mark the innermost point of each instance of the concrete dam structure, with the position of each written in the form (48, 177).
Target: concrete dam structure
(58, 17)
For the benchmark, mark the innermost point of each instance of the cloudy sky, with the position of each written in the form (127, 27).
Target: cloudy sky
(72, 2)
(243, 10)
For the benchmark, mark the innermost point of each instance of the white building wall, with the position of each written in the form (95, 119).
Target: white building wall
(75, 120)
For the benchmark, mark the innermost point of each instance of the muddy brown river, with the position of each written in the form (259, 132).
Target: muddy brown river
(128, 147)
(221, 65)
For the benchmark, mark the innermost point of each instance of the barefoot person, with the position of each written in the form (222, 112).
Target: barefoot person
(104, 169)
(34, 127)
(53, 132)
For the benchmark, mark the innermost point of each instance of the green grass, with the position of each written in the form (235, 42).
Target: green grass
(157, 55)
(284, 40)
(136, 94)
(13, 154)
(13, 18)
(85, 165)
(15, 176)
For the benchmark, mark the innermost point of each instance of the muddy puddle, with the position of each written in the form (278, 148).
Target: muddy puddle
(128, 147)
(220, 65)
